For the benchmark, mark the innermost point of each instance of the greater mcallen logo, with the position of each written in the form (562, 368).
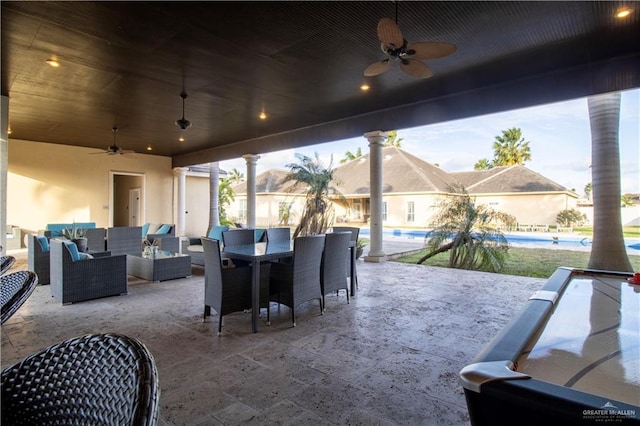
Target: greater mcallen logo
(608, 412)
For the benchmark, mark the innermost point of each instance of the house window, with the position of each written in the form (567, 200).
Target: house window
(411, 211)
(384, 210)
(242, 213)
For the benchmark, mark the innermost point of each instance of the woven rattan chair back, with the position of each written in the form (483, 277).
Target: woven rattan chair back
(335, 261)
(355, 231)
(299, 281)
(97, 379)
(278, 234)
(15, 289)
(6, 262)
(238, 237)
(225, 290)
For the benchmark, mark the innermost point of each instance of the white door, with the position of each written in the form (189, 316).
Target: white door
(134, 207)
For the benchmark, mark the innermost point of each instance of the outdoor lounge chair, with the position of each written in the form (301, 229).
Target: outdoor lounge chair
(6, 262)
(125, 240)
(74, 279)
(293, 283)
(238, 237)
(194, 245)
(38, 257)
(335, 262)
(228, 290)
(15, 289)
(97, 379)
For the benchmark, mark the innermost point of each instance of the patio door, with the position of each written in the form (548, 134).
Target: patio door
(126, 194)
(134, 207)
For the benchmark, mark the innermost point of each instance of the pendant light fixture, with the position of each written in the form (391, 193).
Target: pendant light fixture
(183, 123)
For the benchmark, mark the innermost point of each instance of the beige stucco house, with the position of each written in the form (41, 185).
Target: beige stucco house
(412, 188)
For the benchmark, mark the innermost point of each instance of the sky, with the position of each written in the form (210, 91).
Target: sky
(559, 136)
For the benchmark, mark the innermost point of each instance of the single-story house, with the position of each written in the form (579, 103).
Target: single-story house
(411, 190)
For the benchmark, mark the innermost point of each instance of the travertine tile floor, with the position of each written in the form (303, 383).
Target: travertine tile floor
(391, 357)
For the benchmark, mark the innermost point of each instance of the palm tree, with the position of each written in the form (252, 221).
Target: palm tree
(588, 188)
(470, 233)
(225, 197)
(318, 211)
(607, 250)
(235, 176)
(510, 148)
(392, 139)
(214, 182)
(348, 156)
(483, 164)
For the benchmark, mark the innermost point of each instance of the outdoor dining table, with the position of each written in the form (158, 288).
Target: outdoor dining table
(256, 253)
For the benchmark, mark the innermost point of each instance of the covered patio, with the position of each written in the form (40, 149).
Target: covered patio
(391, 356)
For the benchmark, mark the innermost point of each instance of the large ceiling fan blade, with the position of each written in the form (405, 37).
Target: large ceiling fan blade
(428, 50)
(415, 68)
(389, 33)
(377, 68)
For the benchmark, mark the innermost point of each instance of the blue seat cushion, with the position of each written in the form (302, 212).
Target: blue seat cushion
(44, 242)
(164, 229)
(216, 232)
(73, 250)
(145, 229)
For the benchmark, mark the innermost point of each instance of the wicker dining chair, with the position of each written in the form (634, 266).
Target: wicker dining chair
(299, 281)
(238, 237)
(6, 262)
(97, 379)
(278, 234)
(335, 261)
(228, 290)
(15, 289)
(355, 233)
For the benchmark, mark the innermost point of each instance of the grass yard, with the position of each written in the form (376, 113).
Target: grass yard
(540, 263)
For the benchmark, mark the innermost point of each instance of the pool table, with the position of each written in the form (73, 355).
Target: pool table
(570, 357)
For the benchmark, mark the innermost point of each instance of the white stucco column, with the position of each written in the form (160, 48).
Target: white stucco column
(376, 141)
(4, 169)
(251, 160)
(180, 217)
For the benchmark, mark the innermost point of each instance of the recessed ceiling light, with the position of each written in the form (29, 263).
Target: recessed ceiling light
(149, 148)
(53, 63)
(9, 130)
(181, 139)
(623, 13)
(365, 87)
(263, 115)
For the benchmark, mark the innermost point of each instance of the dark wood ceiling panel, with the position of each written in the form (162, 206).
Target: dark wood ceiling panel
(299, 61)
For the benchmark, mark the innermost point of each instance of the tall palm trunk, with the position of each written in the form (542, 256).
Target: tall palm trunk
(608, 251)
(214, 182)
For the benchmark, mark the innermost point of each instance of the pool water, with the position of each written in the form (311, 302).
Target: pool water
(553, 240)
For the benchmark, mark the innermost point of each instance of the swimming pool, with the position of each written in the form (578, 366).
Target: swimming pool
(566, 241)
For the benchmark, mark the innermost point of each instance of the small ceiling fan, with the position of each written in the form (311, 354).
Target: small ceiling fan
(115, 149)
(409, 56)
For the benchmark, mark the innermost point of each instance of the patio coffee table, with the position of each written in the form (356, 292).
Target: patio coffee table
(159, 266)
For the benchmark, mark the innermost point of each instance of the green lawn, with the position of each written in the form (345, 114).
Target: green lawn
(540, 263)
(627, 231)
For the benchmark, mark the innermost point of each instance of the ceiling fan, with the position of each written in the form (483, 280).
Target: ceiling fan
(409, 56)
(115, 149)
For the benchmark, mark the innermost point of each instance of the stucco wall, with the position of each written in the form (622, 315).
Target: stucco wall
(50, 183)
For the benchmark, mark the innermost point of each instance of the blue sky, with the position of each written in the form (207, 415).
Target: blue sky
(559, 135)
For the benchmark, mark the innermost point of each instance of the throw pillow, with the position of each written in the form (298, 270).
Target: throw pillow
(44, 242)
(164, 229)
(145, 229)
(85, 256)
(73, 250)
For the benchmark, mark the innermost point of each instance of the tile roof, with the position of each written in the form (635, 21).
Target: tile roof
(404, 172)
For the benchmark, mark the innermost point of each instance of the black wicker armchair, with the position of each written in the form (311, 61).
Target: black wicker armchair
(97, 379)
(6, 262)
(294, 283)
(38, 257)
(15, 289)
(335, 261)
